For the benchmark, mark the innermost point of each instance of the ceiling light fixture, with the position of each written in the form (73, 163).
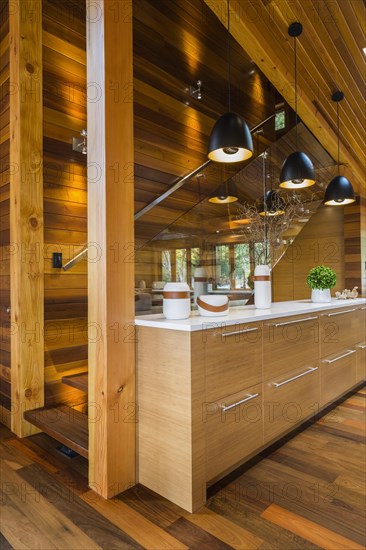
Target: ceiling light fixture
(297, 171)
(273, 205)
(230, 140)
(225, 194)
(339, 191)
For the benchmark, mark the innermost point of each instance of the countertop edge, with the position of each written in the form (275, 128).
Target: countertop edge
(244, 314)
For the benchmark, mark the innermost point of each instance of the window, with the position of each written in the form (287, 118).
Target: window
(280, 120)
(166, 264)
(181, 265)
(195, 260)
(223, 266)
(241, 265)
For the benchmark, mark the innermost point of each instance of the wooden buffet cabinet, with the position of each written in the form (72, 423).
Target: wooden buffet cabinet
(214, 394)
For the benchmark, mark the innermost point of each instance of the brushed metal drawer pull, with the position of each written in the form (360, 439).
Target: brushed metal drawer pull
(249, 398)
(292, 322)
(224, 334)
(361, 346)
(279, 384)
(350, 351)
(340, 312)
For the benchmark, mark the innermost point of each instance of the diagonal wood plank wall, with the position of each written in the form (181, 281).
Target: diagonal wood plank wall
(65, 195)
(5, 397)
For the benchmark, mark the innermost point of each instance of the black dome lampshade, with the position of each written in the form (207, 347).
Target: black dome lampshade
(274, 205)
(225, 194)
(230, 139)
(297, 171)
(339, 191)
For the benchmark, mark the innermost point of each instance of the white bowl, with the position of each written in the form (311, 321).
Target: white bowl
(213, 305)
(158, 285)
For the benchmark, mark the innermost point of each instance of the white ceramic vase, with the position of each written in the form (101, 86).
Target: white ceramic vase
(319, 296)
(262, 287)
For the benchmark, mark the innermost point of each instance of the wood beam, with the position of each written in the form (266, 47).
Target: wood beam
(111, 229)
(267, 51)
(26, 213)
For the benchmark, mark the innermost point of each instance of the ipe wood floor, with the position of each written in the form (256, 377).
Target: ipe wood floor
(307, 493)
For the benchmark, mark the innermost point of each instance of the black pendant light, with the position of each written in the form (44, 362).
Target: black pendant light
(273, 205)
(225, 194)
(339, 191)
(230, 139)
(297, 171)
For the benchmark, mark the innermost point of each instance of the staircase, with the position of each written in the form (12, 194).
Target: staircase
(68, 425)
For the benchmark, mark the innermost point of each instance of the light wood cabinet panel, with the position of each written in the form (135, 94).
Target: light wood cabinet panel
(289, 400)
(341, 328)
(338, 374)
(233, 432)
(289, 343)
(361, 362)
(233, 358)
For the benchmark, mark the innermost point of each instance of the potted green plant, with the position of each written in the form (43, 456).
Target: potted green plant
(321, 279)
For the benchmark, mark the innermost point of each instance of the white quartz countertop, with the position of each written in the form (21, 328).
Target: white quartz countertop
(244, 314)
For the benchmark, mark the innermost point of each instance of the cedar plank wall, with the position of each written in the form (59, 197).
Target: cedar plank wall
(321, 242)
(4, 208)
(65, 195)
(352, 245)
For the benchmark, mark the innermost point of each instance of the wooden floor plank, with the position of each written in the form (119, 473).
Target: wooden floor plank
(133, 523)
(48, 518)
(157, 509)
(312, 483)
(12, 456)
(274, 537)
(19, 530)
(195, 537)
(225, 530)
(103, 532)
(309, 530)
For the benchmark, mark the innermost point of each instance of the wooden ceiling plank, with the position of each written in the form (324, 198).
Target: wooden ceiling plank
(350, 35)
(312, 65)
(278, 72)
(359, 9)
(323, 50)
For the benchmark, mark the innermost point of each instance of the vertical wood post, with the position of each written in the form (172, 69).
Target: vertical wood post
(26, 212)
(111, 235)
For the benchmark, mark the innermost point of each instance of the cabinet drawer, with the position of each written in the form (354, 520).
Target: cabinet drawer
(233, 359)
(289, 341)
(289, 400)
(338, 374)
(341, 328)
(361, 362)
(234, 429)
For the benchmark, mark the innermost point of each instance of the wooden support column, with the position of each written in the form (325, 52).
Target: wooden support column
(111, 234)
(26, 212)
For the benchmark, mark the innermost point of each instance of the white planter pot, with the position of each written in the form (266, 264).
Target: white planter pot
(176, 301)
(318, 295)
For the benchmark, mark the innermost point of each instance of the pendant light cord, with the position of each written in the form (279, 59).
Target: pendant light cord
(339, 168)
(228, 54)
(295, 52)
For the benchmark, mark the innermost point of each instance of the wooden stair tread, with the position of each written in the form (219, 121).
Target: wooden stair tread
(63, 423)
(79, 381)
